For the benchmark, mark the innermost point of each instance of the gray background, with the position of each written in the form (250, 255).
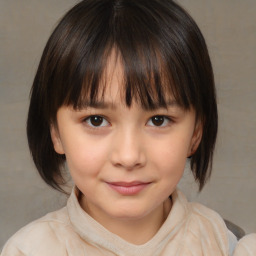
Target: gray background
(229, 27)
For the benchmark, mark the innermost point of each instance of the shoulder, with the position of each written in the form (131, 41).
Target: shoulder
(200, 214)
(204, 228)
(205, 214)
(42, 234)
(246, 246)
(208, 222)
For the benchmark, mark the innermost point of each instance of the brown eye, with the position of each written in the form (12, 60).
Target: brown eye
(160, 121)
(96, 121)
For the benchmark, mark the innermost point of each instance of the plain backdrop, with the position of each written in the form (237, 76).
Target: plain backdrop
(229, 27)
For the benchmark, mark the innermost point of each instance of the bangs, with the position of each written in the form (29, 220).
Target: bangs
(143, 82)
(153, 68)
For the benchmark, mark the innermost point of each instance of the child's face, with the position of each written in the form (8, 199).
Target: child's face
(124, 161)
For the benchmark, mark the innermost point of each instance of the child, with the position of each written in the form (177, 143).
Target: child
(124, 94)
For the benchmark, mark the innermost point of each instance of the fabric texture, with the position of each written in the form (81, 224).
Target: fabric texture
(232, 242)
(190, 229)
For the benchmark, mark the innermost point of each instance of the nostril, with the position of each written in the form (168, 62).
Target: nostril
(128, 160)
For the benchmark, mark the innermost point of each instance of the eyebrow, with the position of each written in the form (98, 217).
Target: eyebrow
(109, 105)
(98, 105)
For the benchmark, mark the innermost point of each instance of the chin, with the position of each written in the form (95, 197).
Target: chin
(130, 212)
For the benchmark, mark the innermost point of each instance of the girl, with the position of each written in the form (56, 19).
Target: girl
(123, 95)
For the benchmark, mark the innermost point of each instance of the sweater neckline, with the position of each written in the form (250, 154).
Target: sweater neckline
(93, 232)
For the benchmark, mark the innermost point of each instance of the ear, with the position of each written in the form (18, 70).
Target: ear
(196, 138)
(56, 141)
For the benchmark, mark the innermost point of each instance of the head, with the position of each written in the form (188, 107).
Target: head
(163, 56)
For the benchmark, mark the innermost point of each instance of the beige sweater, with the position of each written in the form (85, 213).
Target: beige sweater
(190, 229)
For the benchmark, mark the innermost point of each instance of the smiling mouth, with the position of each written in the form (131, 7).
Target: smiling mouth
(128, 188)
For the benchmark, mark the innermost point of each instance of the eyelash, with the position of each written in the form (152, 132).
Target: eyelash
(86, 120)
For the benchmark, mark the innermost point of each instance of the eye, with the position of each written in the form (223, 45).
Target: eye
(159, 121)
(96, 121)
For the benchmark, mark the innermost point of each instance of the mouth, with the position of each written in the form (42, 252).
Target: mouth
(128, 188)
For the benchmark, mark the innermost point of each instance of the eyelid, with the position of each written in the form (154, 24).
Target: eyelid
(168, 118)
(85, 119)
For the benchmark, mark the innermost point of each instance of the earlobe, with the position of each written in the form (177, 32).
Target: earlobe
(196, 139)
(56, 141)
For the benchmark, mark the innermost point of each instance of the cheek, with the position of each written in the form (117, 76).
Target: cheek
(171, 152)
(169, 160)
(85, 157)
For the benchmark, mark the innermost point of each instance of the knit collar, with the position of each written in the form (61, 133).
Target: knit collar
(94, 233)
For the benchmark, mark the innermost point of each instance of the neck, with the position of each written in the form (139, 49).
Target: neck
(135, 231)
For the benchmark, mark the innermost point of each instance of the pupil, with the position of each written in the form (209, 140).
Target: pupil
(96, 120)
(158, 120)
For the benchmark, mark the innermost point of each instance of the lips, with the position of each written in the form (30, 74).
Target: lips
(128, 188)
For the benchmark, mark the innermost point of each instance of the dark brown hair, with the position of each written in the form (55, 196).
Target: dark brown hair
(162, 51)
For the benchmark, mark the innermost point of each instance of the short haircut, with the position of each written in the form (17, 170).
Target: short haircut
(162, 50)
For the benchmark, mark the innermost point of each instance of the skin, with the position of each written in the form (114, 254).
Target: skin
(126, 166)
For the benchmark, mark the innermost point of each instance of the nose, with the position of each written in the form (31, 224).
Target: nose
(128, 151)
